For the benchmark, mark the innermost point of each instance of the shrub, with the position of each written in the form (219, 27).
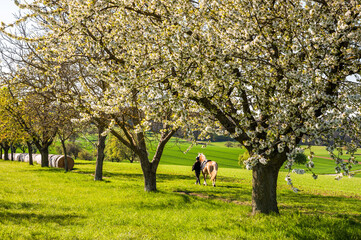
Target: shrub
(73, 149)
(85, 155)
(301, 158)
(59, 149)
(116, 151)
(228, 144)
(243, 157)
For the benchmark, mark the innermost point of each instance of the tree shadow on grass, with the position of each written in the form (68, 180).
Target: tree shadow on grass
(241, 197)
(323, 226)
(161, 177)
(61, 219)
(128, 176)
(51, 169)
(85, 163)
(180, 202)
(336, 217)
(229, 186)
(6, 205)
(44, 169)
(319, 204)
(18, 213)
(307, 216)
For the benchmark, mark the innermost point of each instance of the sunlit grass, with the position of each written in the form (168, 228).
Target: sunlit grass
(227, 157)
(44, 203)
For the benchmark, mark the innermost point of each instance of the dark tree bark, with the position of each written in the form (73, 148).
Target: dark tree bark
(150, 178)
(65, 155)
(6, 151)
(22, 148)
(150, 168)
(44, 151)
(12, 150)
(30, 150)
(44, 156)
(149, 171)
(1, 152)
(100, 155)
(264, 186)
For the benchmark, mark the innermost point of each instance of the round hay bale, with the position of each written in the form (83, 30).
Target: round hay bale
(17, 156)
(61, 162)
(22, 156)
(37, 158)
(26, 157)
(58, 161)
(52, 159)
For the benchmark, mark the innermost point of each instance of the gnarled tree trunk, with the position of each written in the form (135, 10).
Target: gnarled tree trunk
(30, 150)
(6, 151)
(12, 151)
(150, 168)
(100, 155)
(43, 148)
(150, 178)
(65, 155)
(264, 185)
(44, 156)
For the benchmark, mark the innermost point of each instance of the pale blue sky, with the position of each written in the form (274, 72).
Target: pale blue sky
(7, 9)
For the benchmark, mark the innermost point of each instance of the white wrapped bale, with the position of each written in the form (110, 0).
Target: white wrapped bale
(26, 157)
(17, 157)
(57, 161)
(37, 158)
(22, 157)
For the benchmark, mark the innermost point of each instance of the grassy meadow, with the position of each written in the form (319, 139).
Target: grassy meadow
(46, 203)
(227, 157)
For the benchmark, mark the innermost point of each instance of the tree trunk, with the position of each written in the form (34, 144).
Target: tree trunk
(150, 180)
(264, 186)
(132, 157)
(6, 151)
(100, 155)
(44, 156)
(150, 168)
(44, 151)
(30, 150)
(22, 148)
(1, 152)
(12, 150)
(65, 155)
(149, 172)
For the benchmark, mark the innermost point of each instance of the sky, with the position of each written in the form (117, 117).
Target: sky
(7, 9)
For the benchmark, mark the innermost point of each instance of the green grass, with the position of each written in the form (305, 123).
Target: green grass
(44, 203)
(327, 166)
(174, 153)
(226, 157)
